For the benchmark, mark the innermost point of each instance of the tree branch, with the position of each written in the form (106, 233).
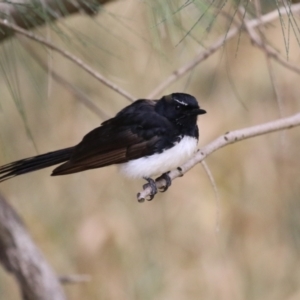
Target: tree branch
(224, 140)
(204, 54)
(258, 42)
(70, 57)
(75, 91)
(20, 256)
(29, 14)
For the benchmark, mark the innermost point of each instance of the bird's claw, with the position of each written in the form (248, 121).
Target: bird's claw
(180, 172)
(168, 181)
(151, 183)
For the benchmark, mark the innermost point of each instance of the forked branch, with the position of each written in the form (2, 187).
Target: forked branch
(219, 43)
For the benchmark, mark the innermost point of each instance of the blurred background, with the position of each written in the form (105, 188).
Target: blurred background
(184, 244)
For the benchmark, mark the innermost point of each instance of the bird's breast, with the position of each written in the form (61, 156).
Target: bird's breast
(159, 163)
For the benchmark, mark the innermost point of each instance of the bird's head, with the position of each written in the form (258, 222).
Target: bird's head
(179, 108)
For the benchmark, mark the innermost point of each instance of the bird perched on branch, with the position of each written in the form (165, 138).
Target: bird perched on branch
(146, 138)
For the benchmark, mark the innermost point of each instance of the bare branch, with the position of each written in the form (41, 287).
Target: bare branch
(224, 140)
(20, 256)
(70, 57)
(204, 54)
(257, 41)
(29, 14)
(76, 92)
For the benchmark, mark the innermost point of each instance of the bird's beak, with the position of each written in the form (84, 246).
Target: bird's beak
(198, 111)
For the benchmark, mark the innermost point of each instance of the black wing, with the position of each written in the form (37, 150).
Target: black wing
(135, 132)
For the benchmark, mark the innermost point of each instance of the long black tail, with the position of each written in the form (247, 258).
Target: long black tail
(34, 163)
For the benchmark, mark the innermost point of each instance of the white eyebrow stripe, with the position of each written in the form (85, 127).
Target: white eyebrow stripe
(180, 102)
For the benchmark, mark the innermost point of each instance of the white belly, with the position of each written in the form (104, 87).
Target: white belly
(158, 164)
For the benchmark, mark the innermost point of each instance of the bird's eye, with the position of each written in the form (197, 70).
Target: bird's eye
(178, 107)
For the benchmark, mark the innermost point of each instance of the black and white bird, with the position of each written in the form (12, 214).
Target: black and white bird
(146, 138)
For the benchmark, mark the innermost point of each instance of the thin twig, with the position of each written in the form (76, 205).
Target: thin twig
(257, 41)
(268, 59)
(216, 191)
(76, 92)
(70, 57)
(220, 41)
(74, 278)
(224, 140)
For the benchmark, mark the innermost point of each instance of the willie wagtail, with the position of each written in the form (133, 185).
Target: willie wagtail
(146, 138)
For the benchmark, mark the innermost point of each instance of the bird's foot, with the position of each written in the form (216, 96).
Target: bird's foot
(151, 183)
(180, 171)
(167, 179)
